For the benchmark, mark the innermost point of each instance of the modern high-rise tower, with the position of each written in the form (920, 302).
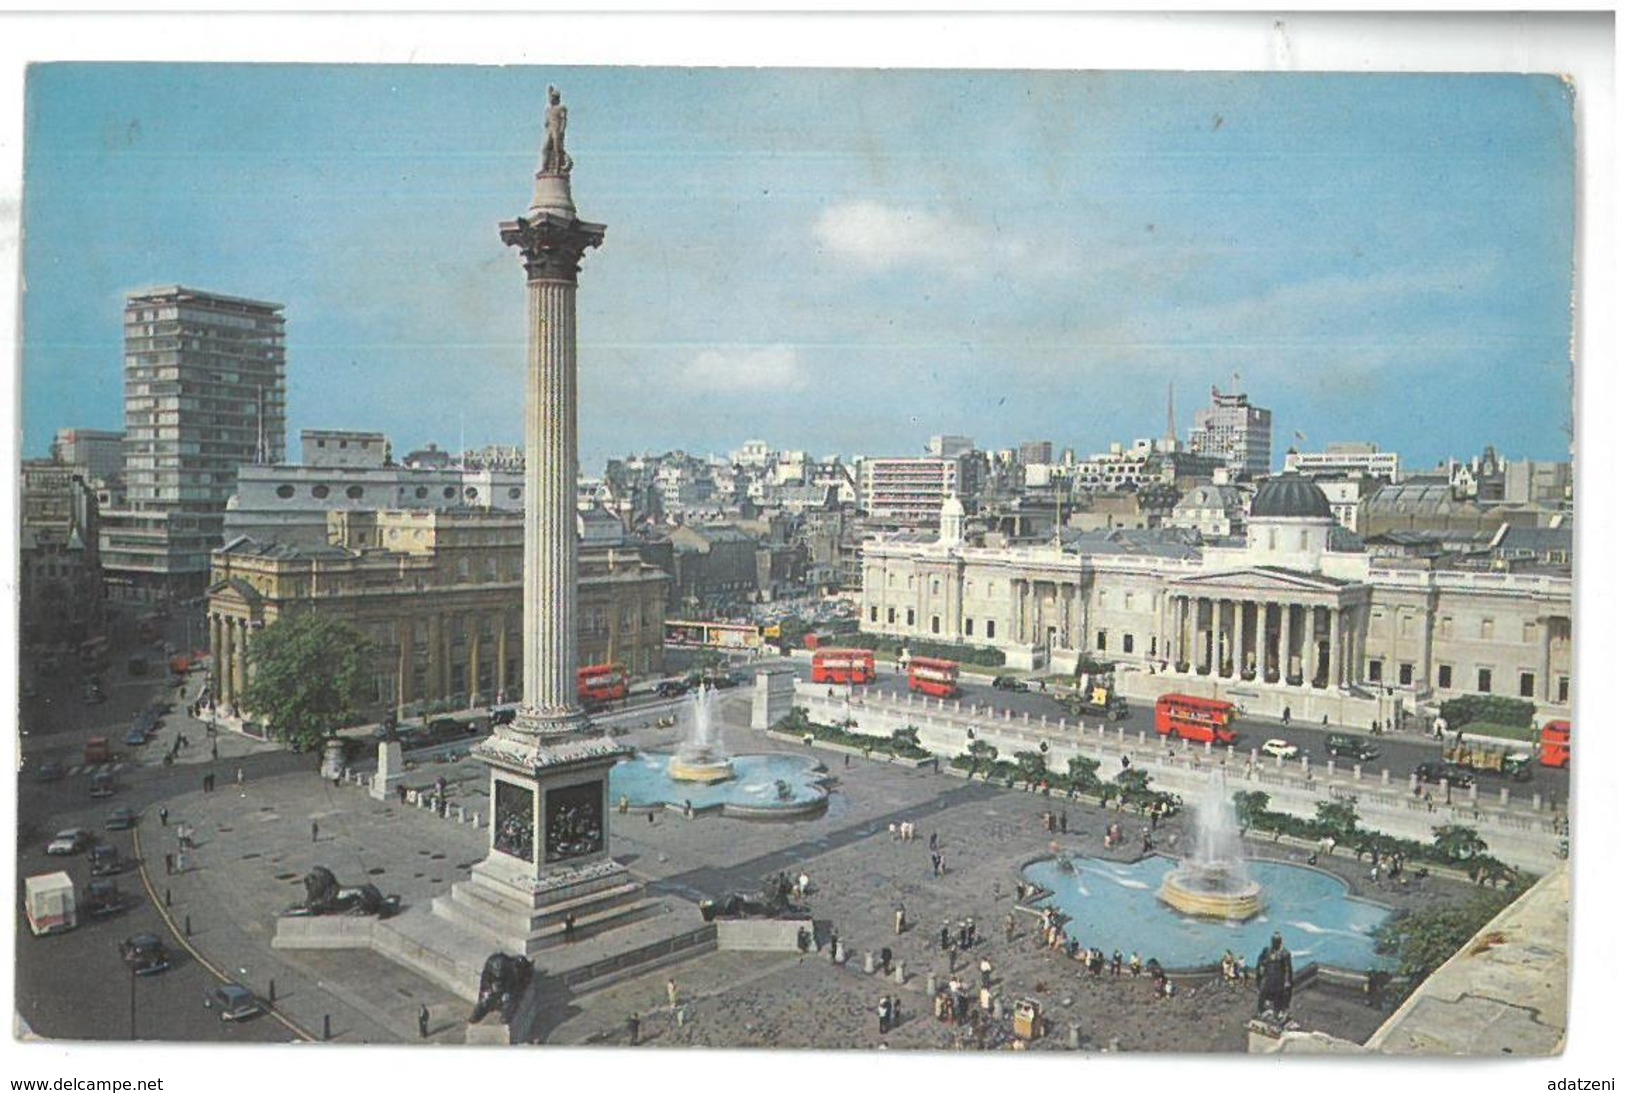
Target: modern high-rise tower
(1238, 431)
(204, 392)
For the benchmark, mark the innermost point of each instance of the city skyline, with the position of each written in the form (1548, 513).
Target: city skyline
(872, 258)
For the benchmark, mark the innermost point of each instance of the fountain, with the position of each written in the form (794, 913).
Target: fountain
(700, 758)
(1212, 882)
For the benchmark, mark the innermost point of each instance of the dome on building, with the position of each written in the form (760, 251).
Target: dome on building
(1290, 496)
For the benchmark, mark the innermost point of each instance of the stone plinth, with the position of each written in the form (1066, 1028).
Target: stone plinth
(773, 696)
(391, 769)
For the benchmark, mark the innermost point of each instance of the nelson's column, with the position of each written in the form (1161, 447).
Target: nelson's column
(549, 846)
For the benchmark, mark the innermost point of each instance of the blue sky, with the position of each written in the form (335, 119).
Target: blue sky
(832, 260)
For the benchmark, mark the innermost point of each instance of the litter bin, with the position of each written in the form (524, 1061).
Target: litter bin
(1029, 1019)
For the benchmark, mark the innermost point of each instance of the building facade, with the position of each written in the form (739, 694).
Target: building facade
(1297, 617)
(438, 596)
(909, 491)
(204, 393)
(96, 455)
(1234, 428)
(1345, 460)
(60, 595)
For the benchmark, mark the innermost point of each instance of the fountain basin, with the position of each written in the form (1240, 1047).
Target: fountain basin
(775, 786)
(703, 769)
(1211, 891)
(1114, 905)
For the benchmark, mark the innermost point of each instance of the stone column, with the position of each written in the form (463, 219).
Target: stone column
(501, 674)
(1334, 640)
(239, 660)
(1543, 689)
(406, 637)
(1283, 642)
(473, 659)
(552, 240)
(1308, 654)
(433, 688)
(224, 675)
(1188, 606)
(1260, 632)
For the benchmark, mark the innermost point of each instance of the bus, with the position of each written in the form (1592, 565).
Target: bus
(1554, 745)
(843, 666)
(931, 676)
(712, 635)
(598, 686)
(1199, 719)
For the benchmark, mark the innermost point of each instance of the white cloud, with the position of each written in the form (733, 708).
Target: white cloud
(747, 368)
(881, 237)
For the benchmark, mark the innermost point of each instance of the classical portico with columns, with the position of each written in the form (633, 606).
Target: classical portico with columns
(1293, 616)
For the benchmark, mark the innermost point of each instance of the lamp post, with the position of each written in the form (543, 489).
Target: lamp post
(132, 1002)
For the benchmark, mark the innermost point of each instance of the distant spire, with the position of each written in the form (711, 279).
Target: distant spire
(1172, 430)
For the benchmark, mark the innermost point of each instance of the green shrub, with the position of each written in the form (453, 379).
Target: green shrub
(1463, 711)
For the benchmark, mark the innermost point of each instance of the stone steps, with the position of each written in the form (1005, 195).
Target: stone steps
(474, 907)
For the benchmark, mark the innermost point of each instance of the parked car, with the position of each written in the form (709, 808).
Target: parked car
(233, 1001)
(121, 818)
(1344, 746)
(70, 840)
(1440, 773)
(1278, 749)
(442, 729)
(672, 688)
(145, 953)
(135, 736)
(1009, 683)
(49, 772)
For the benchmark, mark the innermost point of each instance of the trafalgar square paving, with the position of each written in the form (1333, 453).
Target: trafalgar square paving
(255, 842)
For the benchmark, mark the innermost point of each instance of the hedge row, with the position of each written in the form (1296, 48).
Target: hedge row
(1460, 712)
(885, 645)
(905, 746)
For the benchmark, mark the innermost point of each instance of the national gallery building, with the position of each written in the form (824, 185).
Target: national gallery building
(1298, 616)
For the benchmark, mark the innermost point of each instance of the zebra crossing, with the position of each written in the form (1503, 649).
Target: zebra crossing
(92, 768)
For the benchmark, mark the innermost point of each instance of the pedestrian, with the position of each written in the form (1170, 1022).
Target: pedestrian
(180, 862)
(423, 1022)
(1063, 823)
(1117, 963)
(900, 919)
(932, 842)
(163, 817)
(214, 750)
(986, 969)
(671, 993)
(943, 940)
(884, 1012)
(834, 946)
(569, 926)
(315, 830)
(239, 775)
(208, 783)
(632, 1029)
(169, 865)
(803, 882)
(1010, 927)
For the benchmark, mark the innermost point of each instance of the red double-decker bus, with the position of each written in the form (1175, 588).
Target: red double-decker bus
(600, 685)
(1198, 719)
(1554, 745)
(931, 676)
(844, 666)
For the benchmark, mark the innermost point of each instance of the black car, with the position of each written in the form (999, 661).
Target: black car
(1344, 746)
(1009, 683)
(503, 715)
(672, 688)
(233, 1001)
(1441, 773)
(145, 953)
(49, 772)
(102, 897)
(121, 818)
(442, 729)
(104, 860)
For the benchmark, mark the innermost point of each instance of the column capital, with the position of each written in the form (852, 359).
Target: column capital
(552, 244)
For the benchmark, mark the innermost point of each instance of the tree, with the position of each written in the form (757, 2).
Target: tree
(980, 751)
(1250, 806)
(1337, 819)
(1458, 842)
(306, 676)
(1032, 765)
(1083, 771)
(905, 738)
(1424, 940)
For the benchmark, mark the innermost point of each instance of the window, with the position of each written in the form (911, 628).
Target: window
(1486, 629)
(936, 624)
(874, 613)
(891, 580)
(1406, 674)
(421, 492)
(1128, 643)
(1128, 601)
(1446, 626)
(936, 587)
(1528, 633)
(1562, 688)
(989, 628)
(284, 491)
(910, 621)
(514, 492)
(911, 580)
(1444, 677)
(1303, 539)
(1100, 640)
(891, 616)
(1405, 622)
(319, 492)
(1526, 684)
(449, 492)
(1272, 540)
(990, 589)
(1374, 671)
(354, 493)
(1484, 681)
(970, 628)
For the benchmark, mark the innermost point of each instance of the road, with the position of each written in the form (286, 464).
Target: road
(1399, 753)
